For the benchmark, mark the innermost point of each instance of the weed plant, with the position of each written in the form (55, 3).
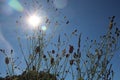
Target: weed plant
(67, 60)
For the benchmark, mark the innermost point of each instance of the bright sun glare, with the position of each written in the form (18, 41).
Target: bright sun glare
(34, 20)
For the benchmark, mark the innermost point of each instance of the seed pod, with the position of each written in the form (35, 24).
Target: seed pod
(71, 62)
(67, 55)
(111, 25)
(67, 22)
(113, 17)
(44, 56)
(33, 67)
(75, 55)
(11, 51)
(71, 48)
(7, 60)
(53, 51)
(52, 60)
(37, 50)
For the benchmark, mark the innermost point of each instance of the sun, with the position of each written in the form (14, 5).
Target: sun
(34, 20)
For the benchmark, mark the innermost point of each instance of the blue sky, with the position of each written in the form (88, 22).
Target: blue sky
(89, 17)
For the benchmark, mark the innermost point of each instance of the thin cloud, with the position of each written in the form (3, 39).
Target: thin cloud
(4, 44)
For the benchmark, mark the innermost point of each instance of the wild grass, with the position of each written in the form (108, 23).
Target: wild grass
(65, 60)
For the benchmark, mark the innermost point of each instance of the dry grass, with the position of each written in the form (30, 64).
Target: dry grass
(67, 60)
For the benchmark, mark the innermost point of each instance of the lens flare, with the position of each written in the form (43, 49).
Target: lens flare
(44, 28)
(15, 5)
